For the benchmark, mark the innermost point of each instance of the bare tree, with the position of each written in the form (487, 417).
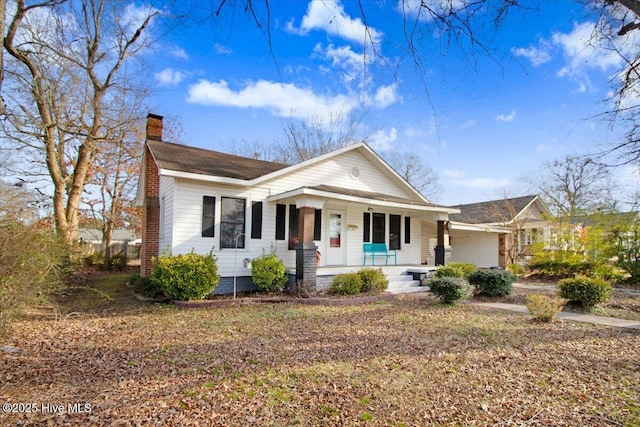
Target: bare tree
(308, 139)
(111, 183)
(411, 167)
(3, 8)
(575, 186)
(67, 57)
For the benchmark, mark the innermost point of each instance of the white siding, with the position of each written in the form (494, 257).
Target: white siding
(167, 192)
(479, 248)
(183, 216)
(335, 172)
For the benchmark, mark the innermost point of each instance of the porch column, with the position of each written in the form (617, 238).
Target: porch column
(306, 263)
(440, 248)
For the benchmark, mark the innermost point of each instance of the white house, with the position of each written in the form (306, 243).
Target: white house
(200, 200)
(498, 232)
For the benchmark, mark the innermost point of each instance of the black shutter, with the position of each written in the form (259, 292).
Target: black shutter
(379, 220)
(256, 220)
(407, 229)
(366, 227)
(317, 225)
(208, 216)
(281, 212)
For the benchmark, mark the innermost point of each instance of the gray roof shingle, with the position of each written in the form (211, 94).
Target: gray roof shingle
(493, 211)
(207, 162)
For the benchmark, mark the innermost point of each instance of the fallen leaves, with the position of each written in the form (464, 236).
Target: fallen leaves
(402, 362)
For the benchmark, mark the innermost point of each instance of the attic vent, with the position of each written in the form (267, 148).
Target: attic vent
(354, 172)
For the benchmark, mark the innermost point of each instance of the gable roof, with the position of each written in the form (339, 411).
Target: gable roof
(493, 211)
(200, 164)
(207, 162)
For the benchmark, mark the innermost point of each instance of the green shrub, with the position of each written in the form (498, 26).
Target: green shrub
(588, 291)
(32, 259)
(268, 273)
(346, 284)
(450, 289)
(374, 281)
(515, 269)
(544, 308)
(118, 262)
(559, 264)
(455, 269)
(185, 277)
(492, 283)
(608, 272)
(143, 285)
(91, 260)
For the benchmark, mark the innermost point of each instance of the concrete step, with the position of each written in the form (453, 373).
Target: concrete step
(403, 283)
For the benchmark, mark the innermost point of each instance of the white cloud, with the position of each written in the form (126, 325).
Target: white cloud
(331, 17)
(453, 173)
(543, 147)
(221, 49)
(179, 53)
(415, 8)
(537, 56)
(352, 63)
(382, 141)
(386, 95)
(582, 49)
(169, 76)
(481, 182)
(506, 118)
(413, 132)
(284, 100)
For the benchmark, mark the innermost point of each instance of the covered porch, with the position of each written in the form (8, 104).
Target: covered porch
(349, 218)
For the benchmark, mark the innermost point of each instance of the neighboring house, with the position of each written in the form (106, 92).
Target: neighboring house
(200, 200)
(91, 241)
(512, 226)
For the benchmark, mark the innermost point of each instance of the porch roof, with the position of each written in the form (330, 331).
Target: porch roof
(360, 196)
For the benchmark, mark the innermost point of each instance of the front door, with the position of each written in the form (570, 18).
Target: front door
(336, 238)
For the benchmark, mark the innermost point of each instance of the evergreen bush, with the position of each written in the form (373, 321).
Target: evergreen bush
(492, 283)
(346, 284)
(587, 291)
(374, 281)
(455, 269)
(544, 308)
(450, 289)
(268, 273)
(185, 277)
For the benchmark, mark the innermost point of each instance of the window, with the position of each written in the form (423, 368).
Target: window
(317, 225)
(366, 227)
(208, 216)
(407, 229)
(256, 220)
(280, 220)
(394, 231)
(232, 214)
(294, 221)
(378, 228)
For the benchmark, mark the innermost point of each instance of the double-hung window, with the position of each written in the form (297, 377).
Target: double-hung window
(232, 218)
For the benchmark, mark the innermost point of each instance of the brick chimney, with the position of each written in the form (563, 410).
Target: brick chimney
(151, 204)
(154, 127)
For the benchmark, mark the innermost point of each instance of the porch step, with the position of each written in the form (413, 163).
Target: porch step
(403, 283)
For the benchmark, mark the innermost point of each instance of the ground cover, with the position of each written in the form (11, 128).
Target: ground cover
(405, 361)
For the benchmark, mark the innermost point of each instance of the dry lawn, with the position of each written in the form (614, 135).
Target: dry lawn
(409, 361)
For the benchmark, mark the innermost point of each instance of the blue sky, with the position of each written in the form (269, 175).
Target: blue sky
(483, 123)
